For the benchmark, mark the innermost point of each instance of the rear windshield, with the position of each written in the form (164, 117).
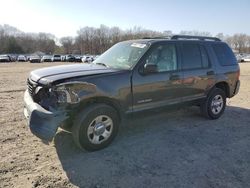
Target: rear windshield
(224, 54)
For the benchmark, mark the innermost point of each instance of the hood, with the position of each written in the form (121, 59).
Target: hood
(51, 74)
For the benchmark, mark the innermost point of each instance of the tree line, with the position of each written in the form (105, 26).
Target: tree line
(14, 41)
(91, 40)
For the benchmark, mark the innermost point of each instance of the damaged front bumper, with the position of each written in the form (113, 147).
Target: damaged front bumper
(42, 123)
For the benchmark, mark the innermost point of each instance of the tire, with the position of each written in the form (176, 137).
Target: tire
(95, 127)
(214, 105)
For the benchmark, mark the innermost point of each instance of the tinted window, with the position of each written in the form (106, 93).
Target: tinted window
(224, 54)
(204, 57)
(191, 56)
(164, 56)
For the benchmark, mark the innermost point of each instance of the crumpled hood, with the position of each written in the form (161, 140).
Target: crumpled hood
(51, 74)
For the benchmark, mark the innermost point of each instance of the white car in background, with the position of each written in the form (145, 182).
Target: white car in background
(63, 57)
(87, 59)
(21, 58)
(46, 58)
(34, 59)
(56, 58)
(245, 58)
(5, 58)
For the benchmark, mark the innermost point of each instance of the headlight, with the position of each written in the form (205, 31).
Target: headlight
(66, 94)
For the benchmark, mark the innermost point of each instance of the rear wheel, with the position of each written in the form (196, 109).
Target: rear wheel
(95, 127)
(214, 105)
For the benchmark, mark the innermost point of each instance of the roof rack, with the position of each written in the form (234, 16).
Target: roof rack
(161, 37)
(194, 37)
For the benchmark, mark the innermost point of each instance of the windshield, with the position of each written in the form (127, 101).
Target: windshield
(123, 55)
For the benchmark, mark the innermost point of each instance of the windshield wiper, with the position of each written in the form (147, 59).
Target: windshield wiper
(103, 64)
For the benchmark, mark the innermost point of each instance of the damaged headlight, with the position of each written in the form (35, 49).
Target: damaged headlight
(71, 92)
(66, 94)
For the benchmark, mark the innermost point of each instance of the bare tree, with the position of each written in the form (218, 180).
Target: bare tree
(91, 40)
(197, 33)
(239, 42)
(67, 43)
(220, 36)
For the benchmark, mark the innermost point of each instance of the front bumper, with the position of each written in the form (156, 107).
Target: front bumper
(42, 123)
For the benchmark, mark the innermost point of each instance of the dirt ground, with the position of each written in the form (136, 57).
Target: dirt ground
(169, 149)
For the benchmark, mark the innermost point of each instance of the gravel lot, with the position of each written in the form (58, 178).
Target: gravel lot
(168, 149)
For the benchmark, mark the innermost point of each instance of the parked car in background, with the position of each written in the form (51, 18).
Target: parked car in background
(46, 58)
(56, 58)
(21, 58)
(13, 57)
(34, 59)
(238, 57)
(245, 58)
(70, 58)
(78, 58)
(63, 57)
(5, 58)
(87, 59)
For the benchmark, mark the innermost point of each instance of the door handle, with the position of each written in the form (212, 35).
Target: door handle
(174, 77)
(210, 73)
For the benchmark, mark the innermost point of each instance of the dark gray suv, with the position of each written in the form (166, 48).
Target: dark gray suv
(133, 76)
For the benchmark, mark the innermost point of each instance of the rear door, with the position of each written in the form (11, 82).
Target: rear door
(198, 73)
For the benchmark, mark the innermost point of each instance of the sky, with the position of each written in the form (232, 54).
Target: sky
(65, 17)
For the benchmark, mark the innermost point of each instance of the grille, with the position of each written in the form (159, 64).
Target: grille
(31, 87)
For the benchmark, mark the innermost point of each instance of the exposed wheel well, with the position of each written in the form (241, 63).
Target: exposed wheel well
(224, 86)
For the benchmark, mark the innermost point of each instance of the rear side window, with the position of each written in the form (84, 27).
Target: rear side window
(191, 56)
(224, 54)
(204, 57)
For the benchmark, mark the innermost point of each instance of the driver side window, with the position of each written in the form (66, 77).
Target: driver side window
(164, 57)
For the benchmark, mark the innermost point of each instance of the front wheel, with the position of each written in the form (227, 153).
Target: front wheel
(214, 105)
(95, 127)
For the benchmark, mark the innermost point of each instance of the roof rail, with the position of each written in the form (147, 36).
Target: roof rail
(161, 37)
(194, 37)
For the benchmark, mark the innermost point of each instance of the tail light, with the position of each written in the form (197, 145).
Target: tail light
(238, 74)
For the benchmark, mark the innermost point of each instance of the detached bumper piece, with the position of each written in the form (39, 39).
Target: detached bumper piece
(42, 123)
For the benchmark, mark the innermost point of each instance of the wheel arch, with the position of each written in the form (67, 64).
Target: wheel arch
(223, 86)
(102, 100)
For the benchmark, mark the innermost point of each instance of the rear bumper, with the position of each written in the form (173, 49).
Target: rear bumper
(237, 88)
(42, 123)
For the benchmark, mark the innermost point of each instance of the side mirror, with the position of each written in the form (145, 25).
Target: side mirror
(150, 68)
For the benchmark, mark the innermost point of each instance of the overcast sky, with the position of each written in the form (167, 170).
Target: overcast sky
(64, 18)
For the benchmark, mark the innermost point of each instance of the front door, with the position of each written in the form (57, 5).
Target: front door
(161, 87)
